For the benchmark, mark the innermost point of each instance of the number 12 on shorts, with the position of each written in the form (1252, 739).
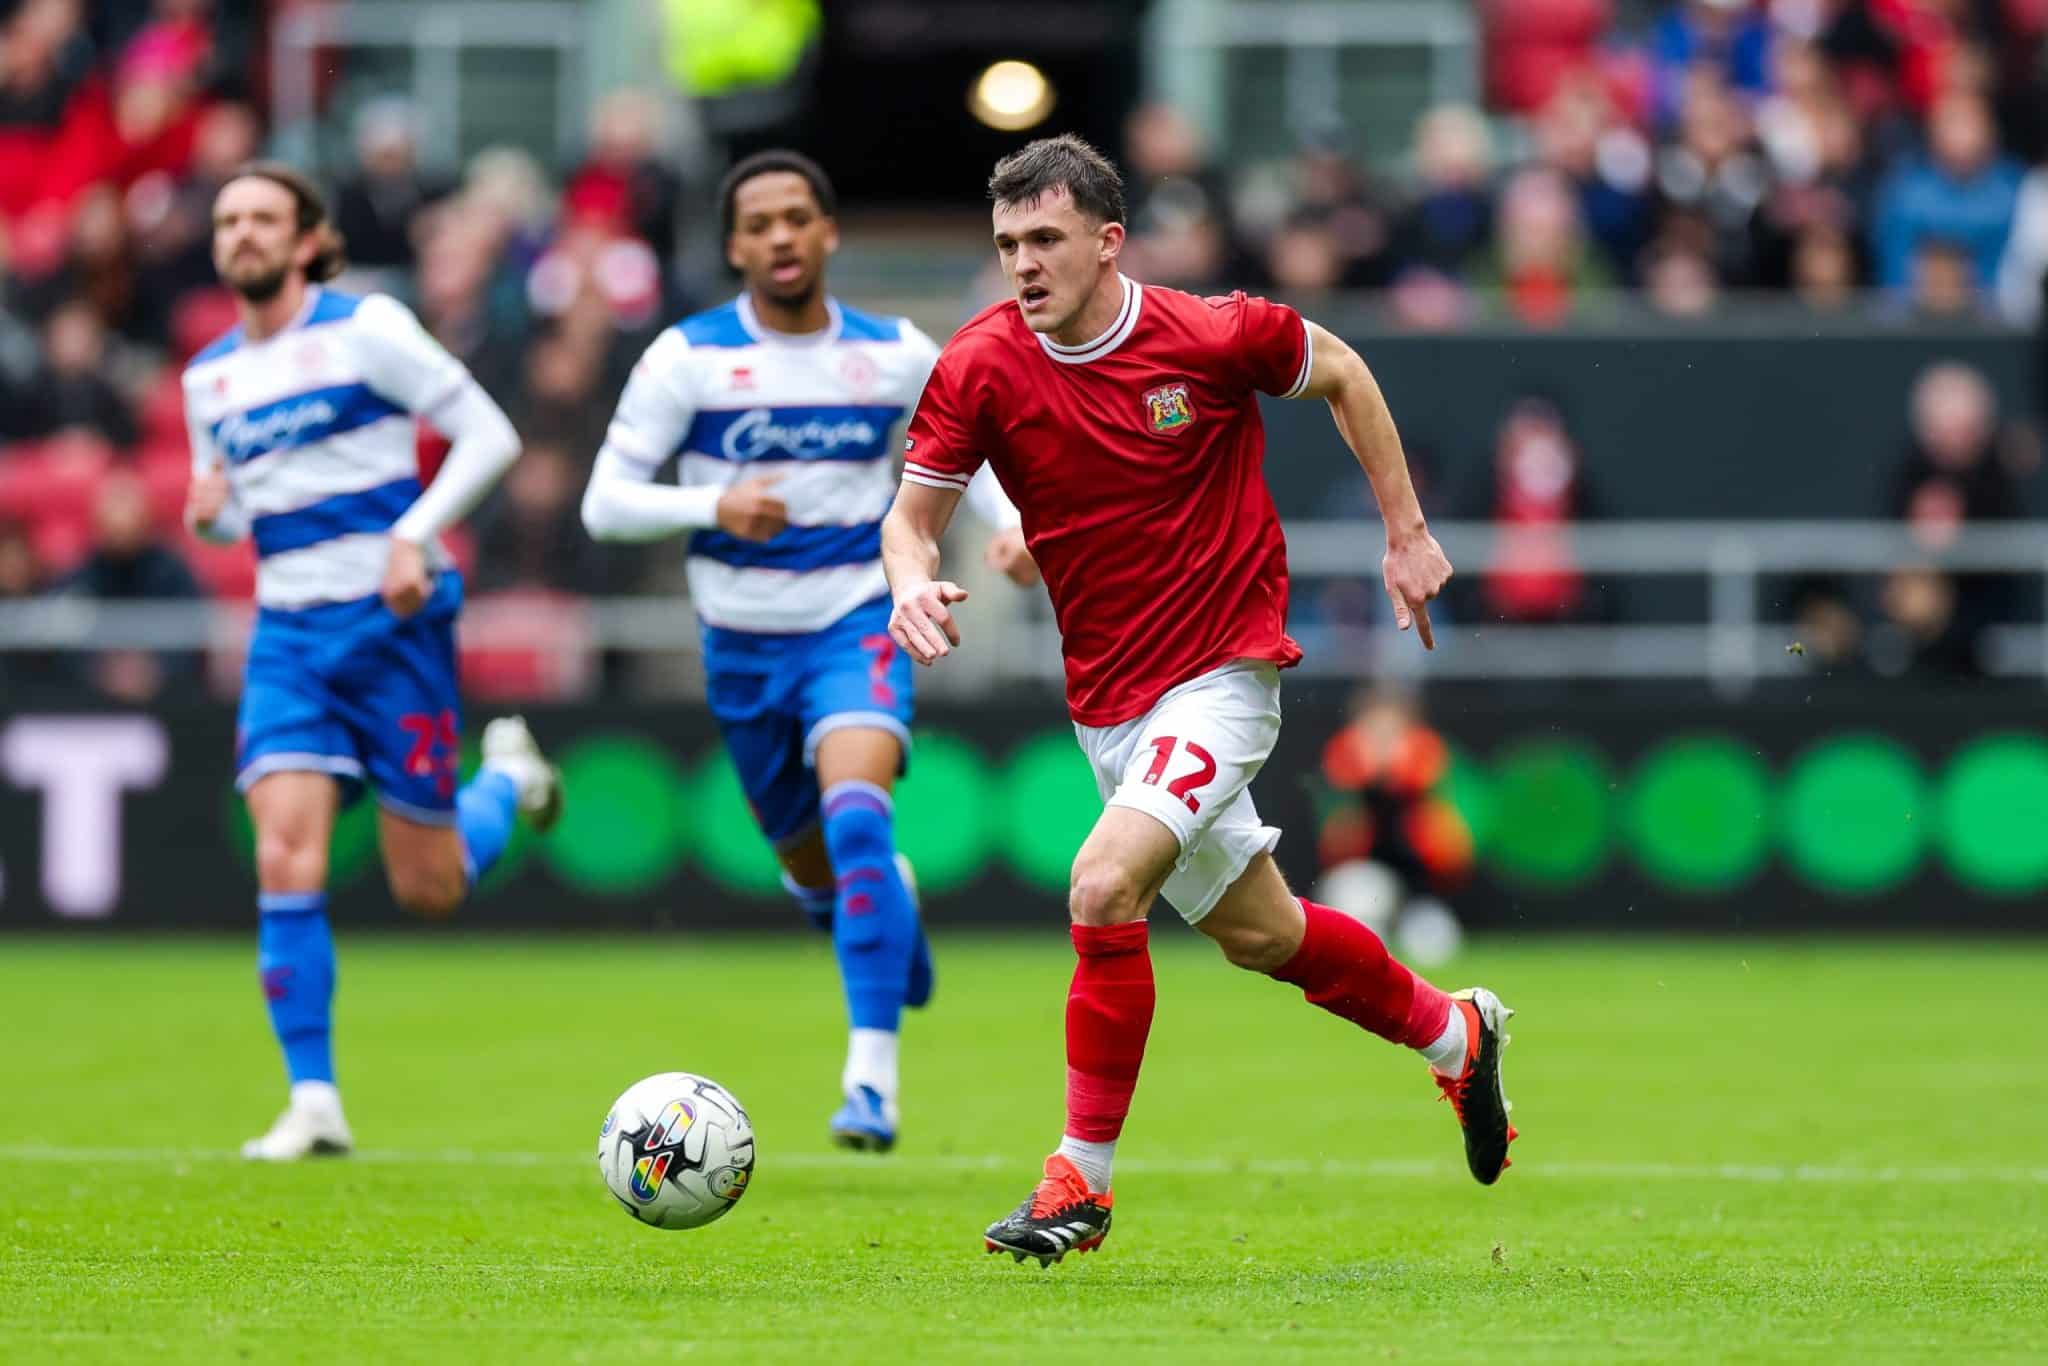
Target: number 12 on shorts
(1184, 786)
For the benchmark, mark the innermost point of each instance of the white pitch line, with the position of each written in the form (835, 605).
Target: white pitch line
(1381, 1168)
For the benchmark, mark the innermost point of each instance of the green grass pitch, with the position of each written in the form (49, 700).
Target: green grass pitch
(1732, 1151)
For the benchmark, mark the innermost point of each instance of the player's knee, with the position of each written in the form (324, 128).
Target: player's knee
(289, 860)
(1103, 892)
(430, 893)
(1253, 947)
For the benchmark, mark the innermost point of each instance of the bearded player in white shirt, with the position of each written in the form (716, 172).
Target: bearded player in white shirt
(302, 429)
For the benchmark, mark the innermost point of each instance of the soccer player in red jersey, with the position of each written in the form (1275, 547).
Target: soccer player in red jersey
(1123, 421)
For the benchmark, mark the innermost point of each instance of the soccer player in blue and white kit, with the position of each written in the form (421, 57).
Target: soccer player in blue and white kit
(778, 409)
(301, 422)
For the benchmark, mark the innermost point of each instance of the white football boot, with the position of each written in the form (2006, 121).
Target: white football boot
(311, 1126)
(510, 748)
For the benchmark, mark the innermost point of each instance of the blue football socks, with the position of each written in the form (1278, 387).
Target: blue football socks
(817, 903)
(295, 960)
(485, 810)
(874, 928)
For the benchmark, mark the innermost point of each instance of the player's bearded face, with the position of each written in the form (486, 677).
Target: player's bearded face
(1054, 257)
(256, 239)
(780, 238)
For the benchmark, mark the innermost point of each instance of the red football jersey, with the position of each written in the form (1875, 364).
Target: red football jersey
(1136, 461)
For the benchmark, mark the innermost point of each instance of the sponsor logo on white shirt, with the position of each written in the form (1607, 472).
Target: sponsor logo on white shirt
(242, 436)
(757, 435)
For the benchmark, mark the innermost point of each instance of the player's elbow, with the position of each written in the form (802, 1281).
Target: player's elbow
(501, 441)
(597, 512)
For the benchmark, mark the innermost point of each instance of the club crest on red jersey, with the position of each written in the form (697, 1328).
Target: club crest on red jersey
(1168, 408)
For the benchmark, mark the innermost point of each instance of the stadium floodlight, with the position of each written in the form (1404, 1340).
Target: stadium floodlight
(1011, 96)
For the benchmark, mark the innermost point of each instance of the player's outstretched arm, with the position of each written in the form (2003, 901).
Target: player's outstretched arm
(922, 620)
(1415, 568)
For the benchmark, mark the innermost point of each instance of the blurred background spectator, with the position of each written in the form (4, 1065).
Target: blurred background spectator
(1960, 468)
(73, 390)
(1536, 489)
(1393, 841)
(130, 562)
(378, 204)
(1961, 192)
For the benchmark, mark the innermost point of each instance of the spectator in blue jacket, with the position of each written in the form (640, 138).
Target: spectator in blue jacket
(1962, 192)
(1725, 35)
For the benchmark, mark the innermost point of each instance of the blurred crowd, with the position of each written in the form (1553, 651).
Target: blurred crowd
(1659, 157)
(118, 123)
(1664, 156)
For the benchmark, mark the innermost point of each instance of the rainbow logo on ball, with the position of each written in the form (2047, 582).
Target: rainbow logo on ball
(674, 1120)
(647, 1175)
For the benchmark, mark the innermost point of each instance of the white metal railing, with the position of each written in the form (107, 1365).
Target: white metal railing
(1187, 39)
(1733, 646)
(436, 35)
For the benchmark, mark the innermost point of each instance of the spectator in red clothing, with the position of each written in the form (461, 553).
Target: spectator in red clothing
(625, 188)
(144, 118)
(1542, 265)
(1532, 46)
(1536, 491)
(45, 59)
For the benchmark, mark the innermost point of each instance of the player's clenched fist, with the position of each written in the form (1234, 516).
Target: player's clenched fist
(407, 585)
(1416, 570)
(750, 511)
(206, 500)
(923, 620)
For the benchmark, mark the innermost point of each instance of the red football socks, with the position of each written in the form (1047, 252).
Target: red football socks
(1109, 1013)
(1343, 967)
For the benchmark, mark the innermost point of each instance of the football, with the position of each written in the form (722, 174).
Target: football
(677, 1150)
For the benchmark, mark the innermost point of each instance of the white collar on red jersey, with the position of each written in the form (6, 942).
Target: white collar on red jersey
(1126, 319)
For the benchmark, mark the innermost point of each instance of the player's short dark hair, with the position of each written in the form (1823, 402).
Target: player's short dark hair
(1090, 179)
(763, 163)
(311, 208)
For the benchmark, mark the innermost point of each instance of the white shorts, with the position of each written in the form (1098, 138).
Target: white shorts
(1188, 763)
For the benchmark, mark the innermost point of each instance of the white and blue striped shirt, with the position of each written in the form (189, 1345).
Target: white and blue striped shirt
(314, 429)
(728, 399)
